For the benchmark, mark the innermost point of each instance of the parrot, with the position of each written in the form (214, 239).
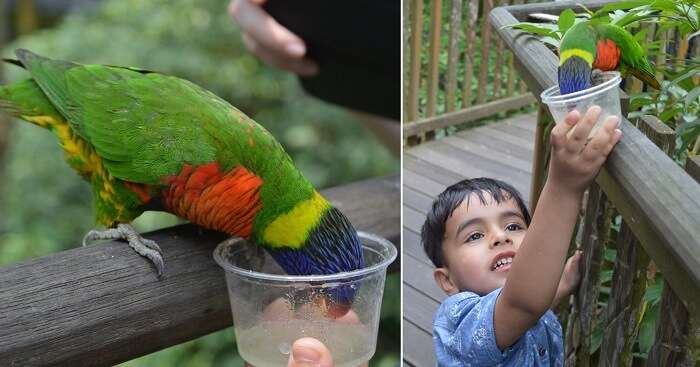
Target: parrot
(590, 45)
(145, 140)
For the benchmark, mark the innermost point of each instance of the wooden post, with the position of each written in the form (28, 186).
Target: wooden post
(473, 15)
(485, 50)
(596, 228)
(453, 54)
(434, 61)
(406, 66)
(625, 302)
(499, 62)
(416, 36)
(539, 159)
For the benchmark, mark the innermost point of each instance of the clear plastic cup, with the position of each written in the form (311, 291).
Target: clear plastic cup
(272, 309)
(605, 94)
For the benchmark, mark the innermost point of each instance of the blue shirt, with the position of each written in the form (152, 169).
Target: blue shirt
(464, 336)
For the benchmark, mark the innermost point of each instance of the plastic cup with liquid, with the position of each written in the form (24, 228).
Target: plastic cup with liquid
(604, 93)
(272, 309)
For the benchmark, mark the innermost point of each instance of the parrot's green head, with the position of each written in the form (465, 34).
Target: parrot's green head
(329, 244)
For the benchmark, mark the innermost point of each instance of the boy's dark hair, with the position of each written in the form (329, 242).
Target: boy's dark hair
(433, 229)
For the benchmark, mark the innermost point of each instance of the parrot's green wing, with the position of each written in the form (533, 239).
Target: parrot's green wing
(143, 125)
(633, 57)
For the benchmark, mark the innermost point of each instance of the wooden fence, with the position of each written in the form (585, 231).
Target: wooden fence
(659, 203)
(100, 305)
(457, 79)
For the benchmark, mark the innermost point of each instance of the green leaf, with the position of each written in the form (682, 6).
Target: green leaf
(605, 276)
(542, 31)
(566, 20)
(653, 292)
(647, 329)
(622, 5)
(596, 338)
(610, 254)
(691, 97)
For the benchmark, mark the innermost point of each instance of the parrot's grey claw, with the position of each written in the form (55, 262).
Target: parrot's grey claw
(143, 246)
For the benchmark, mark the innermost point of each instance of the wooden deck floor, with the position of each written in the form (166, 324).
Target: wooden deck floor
(501, 150)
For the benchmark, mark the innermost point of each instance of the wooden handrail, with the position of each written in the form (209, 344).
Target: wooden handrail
(658, 200)
(102, 304)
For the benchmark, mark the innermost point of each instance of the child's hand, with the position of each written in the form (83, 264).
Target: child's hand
(569, 278)
(575, 159)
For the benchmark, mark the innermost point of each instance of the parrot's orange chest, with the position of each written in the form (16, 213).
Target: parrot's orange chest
(607, 55)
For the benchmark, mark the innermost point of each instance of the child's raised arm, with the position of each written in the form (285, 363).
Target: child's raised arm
(537, 268)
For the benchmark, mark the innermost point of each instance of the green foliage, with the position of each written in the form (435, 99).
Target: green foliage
(47, 208)
(678, 102)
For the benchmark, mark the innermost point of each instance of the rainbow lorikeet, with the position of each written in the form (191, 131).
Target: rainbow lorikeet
(149, 141)
(587, 46)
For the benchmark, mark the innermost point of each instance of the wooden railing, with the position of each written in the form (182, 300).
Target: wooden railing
(659, 203)
(483, 92)
(102, 304)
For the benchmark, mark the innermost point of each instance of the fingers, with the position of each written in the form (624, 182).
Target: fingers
(304, 67)
(309, 352)
(580, 135)
(269, 40)
(604, 140)
(560, 131)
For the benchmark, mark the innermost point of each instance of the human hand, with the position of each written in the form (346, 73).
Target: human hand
(268, 40)
(570, 278)
(305, 351)
(576, 160)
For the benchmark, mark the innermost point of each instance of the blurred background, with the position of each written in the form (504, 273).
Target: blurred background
(47, 208)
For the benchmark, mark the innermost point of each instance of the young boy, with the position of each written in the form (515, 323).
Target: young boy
(503, 273)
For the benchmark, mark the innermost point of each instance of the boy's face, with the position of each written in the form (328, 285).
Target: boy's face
(480, 242)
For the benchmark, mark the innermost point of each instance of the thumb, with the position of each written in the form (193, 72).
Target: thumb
(307, 352)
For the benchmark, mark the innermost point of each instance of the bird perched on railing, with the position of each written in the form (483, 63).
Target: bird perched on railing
(587, 46)
(148, 141)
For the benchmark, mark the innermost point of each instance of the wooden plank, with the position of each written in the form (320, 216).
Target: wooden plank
(419, 309)
(472, 166)
(473, 14)
(485, 51)
(472, 163)
(468, 115)
(434, 61)
(521, 12)
(420, 277)
(422, 184)
(436, 173)
(102, 304)
(411, 245)
(405, 59)
(497, 84)
(518, 128)
(539, 157)
(413, 219)
(626, 301)
(490, 133)
(595, 231)
(692, 166)
(416, 200)
(664, 207)
(480, 148)
(453, 54)
(500, 143)
(659, 133)
(416, 35)
(418, 348)
(671, 332)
